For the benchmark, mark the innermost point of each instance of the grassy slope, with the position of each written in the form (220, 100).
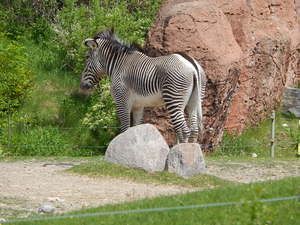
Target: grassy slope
(258, 213)
(52, 108)
(52, 84)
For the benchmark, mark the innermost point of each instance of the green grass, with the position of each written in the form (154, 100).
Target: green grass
(256, 139)
(41, 126)
(277, 213)
(47, 159)
(52, 84)
(101, 168)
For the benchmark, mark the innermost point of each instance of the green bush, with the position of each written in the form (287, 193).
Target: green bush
(30, 18)
(101, 117)
(76, 23)
(15, 75)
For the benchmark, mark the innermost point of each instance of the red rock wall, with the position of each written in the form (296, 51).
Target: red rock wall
(268, 33)
(249, 50)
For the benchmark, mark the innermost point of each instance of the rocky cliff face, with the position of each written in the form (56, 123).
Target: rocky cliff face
(249, 49)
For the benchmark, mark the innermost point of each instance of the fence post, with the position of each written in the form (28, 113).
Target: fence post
(298, 152)
(273, 134)
(9, 130)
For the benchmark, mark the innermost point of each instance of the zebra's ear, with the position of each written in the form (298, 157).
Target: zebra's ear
(90, 43)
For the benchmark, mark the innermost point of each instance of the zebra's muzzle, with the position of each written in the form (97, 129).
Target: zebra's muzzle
(86, 86)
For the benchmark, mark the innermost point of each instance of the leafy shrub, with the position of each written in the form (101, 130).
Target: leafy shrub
(30, 18)
(76, 23)
(101, 117)
(15, 75)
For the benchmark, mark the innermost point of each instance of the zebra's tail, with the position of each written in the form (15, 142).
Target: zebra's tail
(200, 78)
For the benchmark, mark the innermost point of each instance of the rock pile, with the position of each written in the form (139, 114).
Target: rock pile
(144, 147)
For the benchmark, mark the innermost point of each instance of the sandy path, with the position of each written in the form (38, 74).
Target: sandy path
(253, 171)
(28, 185)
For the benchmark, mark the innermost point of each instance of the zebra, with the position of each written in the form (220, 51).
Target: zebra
(138, 81)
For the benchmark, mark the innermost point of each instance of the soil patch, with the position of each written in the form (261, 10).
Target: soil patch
(26, 186)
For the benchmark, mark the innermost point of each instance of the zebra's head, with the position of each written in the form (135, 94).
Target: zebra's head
(100, 57)
(94, 65)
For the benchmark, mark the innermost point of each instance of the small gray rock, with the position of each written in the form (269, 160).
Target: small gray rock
(2, 220)
(46, 209)
(55, 199)
(140, 146)
(186, 160)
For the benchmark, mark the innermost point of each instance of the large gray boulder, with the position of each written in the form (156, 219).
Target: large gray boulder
(140, 146)
(186, 160)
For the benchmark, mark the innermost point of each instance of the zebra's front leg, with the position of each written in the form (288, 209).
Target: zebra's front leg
(124, 117)
(137, 116)
(123, 108)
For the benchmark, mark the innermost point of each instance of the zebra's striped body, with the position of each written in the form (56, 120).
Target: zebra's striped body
(138, 80)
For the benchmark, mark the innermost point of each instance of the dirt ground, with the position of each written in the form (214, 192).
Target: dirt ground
(25, 186)
(253, 171)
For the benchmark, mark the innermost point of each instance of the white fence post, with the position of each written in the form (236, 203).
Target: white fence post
(273, 134)
(298, 152)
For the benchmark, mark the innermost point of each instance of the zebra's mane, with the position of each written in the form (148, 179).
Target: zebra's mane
(118, 45)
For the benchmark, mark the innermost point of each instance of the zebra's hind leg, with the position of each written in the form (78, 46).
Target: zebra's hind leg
(194, 127)
(182, 131)
(137, 116)
(193, 121)
(179, 122)
(176, 93)
(194, 110)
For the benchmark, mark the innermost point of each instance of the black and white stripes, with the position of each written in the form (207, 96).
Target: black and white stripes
(137, 81)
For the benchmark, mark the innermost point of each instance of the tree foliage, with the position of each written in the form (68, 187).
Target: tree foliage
(15, 75)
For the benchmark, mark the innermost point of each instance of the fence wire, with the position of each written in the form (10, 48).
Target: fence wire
(11, 131)
(151, 210)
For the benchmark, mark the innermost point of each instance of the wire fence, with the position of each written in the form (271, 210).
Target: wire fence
(17, 135)
(151, 210)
